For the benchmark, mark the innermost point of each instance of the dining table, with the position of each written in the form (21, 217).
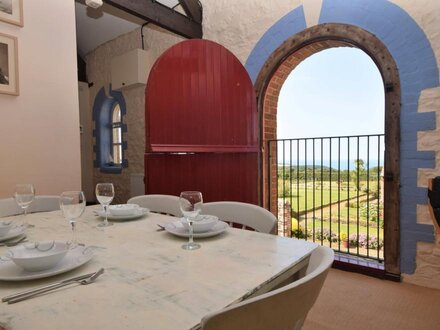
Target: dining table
(149, 281)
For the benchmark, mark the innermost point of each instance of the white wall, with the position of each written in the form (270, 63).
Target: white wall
(85, 118)
(40, 141)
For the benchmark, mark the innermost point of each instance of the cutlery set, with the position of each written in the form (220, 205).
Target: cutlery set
(82, 280)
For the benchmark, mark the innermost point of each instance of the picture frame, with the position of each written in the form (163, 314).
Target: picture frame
(8, 65)
(11, 11)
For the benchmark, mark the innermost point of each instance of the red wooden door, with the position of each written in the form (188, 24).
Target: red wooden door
(201, 124)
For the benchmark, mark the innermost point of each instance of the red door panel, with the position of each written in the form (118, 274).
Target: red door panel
(199, 99)
(220, 176)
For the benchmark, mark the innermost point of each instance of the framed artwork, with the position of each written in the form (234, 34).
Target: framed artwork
(8, 65)
(11, 11)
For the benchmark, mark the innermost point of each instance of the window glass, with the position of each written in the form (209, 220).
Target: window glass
(117, 134)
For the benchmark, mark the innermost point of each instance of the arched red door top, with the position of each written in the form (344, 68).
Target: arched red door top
(201, 100)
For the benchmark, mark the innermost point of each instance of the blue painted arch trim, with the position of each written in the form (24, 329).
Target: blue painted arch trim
(418, 70)
(287, 26)
(102, 116)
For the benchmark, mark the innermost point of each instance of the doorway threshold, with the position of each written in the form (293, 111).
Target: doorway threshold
(363, 266)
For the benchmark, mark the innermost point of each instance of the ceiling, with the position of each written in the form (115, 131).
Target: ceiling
(97, 26)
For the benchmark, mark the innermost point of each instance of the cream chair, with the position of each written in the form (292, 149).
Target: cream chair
(283, 308)
(165, 204)
(9, 207)
(246, 216)
(45, 203)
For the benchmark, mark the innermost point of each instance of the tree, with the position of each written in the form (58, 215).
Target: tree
(358, 173)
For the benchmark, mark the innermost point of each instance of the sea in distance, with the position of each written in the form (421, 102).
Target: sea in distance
(343, 164)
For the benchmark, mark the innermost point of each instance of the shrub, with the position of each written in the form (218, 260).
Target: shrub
(298, 231)
(326, 235)
(353, 240)
(364, 241)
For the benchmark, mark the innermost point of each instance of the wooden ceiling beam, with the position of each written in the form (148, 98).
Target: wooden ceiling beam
(161, 15)
(193, 9)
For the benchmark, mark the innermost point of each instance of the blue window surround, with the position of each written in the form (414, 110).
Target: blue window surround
(102, 116)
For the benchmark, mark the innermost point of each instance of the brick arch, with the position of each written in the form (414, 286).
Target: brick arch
(275, 71)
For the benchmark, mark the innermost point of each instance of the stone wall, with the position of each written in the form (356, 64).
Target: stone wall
(284, 218)
(156, 40)
(427, 272)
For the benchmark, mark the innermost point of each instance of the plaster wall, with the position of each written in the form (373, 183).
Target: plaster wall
(240, 25)
(40, 140)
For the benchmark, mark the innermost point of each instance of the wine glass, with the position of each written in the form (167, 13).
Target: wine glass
(24, 196)
(190, 204)
(105, 193)
(72, 204)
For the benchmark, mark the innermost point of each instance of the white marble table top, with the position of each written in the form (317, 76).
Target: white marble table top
(150, 282)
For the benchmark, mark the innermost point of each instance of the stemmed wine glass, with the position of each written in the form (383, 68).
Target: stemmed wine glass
(190, 204)
(73, 204)
(105, 193)
(24, 196)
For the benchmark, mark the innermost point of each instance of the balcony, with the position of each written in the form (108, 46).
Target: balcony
(330, 190)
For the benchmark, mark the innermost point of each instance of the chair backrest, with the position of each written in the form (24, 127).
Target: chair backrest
(41, 203)
(283, 308)
(45, 203)
(248, 216)
(165, 204)
(9, 207)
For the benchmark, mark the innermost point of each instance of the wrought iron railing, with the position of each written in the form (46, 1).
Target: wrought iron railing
(330, 190)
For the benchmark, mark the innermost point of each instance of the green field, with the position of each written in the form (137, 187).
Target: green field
(320, 211)
(309, 199)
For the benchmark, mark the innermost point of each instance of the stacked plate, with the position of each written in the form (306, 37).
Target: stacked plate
(5, 227)
(8, 230)
(124, 212)
(204, 226)
(41, 259)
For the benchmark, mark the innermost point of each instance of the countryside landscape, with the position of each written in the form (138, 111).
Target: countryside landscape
(341, 208)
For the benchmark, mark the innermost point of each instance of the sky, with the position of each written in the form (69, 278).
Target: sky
(336, 92)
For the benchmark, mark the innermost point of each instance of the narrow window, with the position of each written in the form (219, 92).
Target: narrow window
(108, 115)
(117, 135)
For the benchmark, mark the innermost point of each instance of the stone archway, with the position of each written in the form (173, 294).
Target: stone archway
(276, 70)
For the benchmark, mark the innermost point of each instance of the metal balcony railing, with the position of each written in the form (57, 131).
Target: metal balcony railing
(330, 190)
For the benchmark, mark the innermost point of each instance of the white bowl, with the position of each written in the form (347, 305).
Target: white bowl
(5, 226)
(202, 224)
(38, 256)
(123, 209)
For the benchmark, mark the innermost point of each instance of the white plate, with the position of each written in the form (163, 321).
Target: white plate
(123, 209)
(76, 257)
(204, 223)
(176, 228)
(14, 232)
(138, 214)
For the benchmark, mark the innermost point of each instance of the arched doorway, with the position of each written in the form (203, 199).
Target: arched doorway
(270, 80)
